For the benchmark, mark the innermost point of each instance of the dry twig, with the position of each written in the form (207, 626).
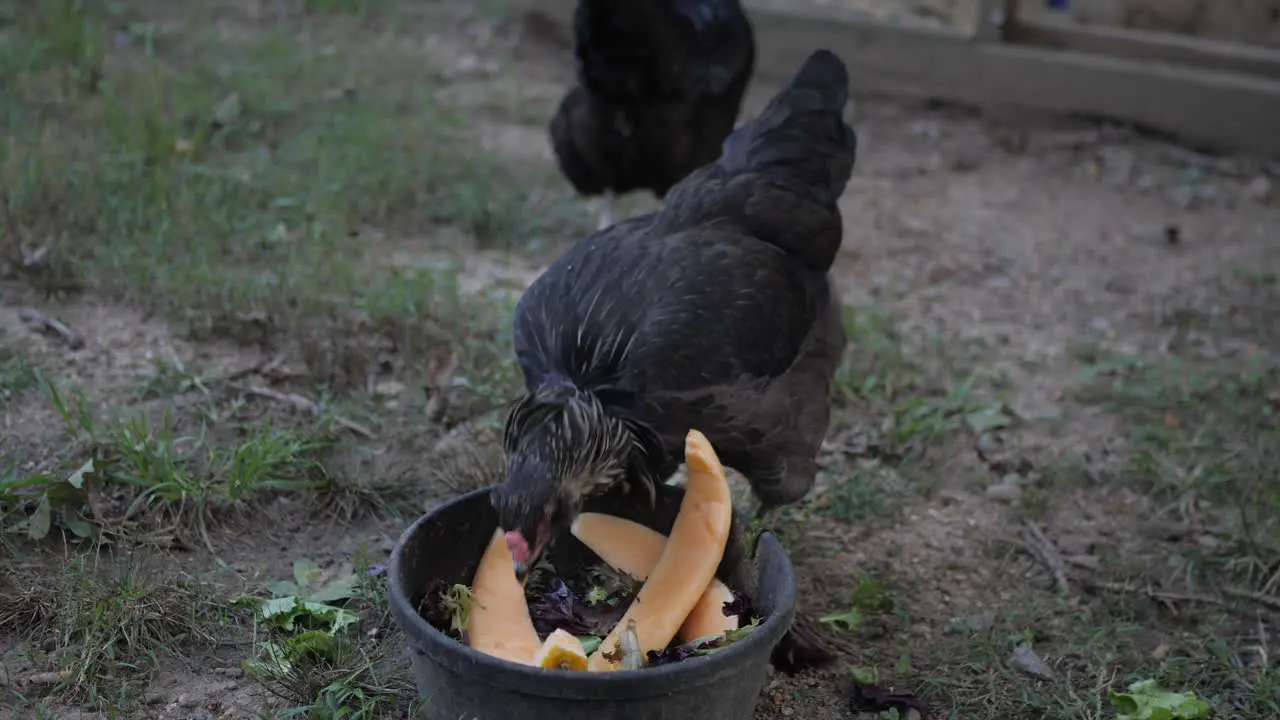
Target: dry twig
(43, 678)
(44, 322)
(267, 368)
(1268, 601)
(1043, 548)
(306, 405)
(440, 372)
(1153, 593)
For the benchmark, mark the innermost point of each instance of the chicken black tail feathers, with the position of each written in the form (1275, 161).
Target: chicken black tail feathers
(820, 88)
(824, 72)
(802, 123)
(798, 152)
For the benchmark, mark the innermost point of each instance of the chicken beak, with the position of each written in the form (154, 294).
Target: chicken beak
(522, 568)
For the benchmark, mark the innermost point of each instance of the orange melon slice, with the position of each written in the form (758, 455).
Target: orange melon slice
(634, 549)
(499, 624)
(688, 561)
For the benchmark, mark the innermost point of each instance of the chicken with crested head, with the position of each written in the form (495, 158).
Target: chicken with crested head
(715, 313)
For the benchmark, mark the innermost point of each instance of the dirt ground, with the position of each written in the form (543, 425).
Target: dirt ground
(285, 238)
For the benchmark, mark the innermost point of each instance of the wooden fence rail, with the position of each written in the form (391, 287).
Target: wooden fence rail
(1215, 95)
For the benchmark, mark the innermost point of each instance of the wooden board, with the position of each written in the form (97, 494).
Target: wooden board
(1149, 46)
(1210, 109)
(1255, 22)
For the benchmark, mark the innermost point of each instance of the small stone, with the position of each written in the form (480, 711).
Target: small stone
(228, 110)
(339, 93)
(1183, 196)
(1209, 542)
(989, 444)
(187, 701)
(914, 226)
(1119, 165)
(1086, 561)
(1120, 285)
(1078, 543)
(1003, 493)
(1026, 660)
(1259, 189)
(965, 159)
(940, 273)
(926, 129)
(389, 388)
(978, 622)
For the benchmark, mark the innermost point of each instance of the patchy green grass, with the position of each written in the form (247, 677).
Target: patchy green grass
(1188, 597)
(1206, 449)
(295, 189)
(243, 187)
(96, 629)
(1094, 644)
(1177, 583)
(256, 186)
(165, 474)
(354, 7)
(880, 366)
(903, 400)
(919, 390)
(17, 375)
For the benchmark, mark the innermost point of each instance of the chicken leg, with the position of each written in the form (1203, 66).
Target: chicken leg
(606, 208)
(805, 646)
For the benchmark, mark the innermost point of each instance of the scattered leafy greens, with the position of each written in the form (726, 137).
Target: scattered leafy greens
(1147, 701)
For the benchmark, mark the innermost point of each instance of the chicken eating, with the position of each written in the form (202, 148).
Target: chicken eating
(716, 313)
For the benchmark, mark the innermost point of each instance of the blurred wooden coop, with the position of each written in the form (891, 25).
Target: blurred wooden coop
(1206, 72)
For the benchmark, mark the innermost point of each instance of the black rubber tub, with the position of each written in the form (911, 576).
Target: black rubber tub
(458, 683)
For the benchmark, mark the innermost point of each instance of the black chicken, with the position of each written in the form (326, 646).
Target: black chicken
(715, 313)
(659, 86)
